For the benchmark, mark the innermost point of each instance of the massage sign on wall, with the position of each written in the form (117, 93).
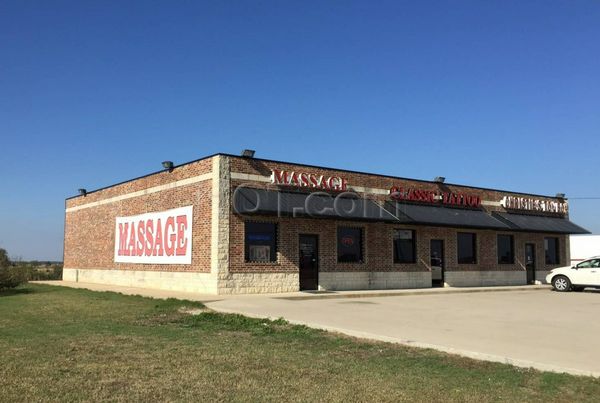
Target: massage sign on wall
(308, 180)
(435, 197)
(163, 237)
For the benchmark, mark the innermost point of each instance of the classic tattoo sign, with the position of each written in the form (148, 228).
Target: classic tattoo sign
(431, 196)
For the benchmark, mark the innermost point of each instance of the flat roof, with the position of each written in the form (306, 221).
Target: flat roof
(310, 166)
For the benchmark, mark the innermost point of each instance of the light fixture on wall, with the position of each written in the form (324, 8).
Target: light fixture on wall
(248, 153)
(439, 179)
(82, 192)
(168, 165)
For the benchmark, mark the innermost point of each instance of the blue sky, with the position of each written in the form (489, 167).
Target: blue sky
(502, 94)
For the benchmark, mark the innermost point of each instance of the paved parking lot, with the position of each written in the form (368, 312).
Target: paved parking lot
(542, 329)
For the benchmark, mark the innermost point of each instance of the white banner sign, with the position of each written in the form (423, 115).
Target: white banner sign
(163, 237)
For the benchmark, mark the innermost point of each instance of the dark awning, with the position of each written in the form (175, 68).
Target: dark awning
(248, 201)
(540, 223)
(445, 216)
(317, 205)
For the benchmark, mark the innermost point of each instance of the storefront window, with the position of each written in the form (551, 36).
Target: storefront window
(506, 252)
(261, 242)
(551, 249)
(404, 246)
(350, 245)
(466, 246)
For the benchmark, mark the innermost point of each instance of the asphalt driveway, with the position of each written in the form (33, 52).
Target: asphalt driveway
(541, 329)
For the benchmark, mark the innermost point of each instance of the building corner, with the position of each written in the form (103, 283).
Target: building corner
(219, 259)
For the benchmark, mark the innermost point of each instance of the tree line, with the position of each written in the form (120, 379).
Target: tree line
(15, 273)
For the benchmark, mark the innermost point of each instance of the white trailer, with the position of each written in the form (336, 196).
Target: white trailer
(583, 247)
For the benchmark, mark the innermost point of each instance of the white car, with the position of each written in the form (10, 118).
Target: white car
(576, 278)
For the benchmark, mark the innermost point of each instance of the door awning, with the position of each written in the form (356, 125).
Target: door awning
(445, 216)
(534, 223)
(317, 205)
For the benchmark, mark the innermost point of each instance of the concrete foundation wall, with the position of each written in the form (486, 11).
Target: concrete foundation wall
(203, 283)
(373, 280)
(253, 283)
(540, 275)
(484, 278)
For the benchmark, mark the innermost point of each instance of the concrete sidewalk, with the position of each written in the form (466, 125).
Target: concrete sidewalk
(302, 295)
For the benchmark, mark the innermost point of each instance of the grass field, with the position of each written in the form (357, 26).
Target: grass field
(67, 344)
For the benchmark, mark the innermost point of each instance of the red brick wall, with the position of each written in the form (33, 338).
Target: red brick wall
(263, 168)
(160, 178)
(378, 250)
(90, 232)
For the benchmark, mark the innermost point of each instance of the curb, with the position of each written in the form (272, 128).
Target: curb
(412, 293)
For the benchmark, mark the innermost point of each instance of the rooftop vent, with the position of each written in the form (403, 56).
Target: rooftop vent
(248, 153)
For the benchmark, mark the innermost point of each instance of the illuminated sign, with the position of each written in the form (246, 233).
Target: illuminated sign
(308, 180)
(348, 241)
(432, 196)
(530, 204)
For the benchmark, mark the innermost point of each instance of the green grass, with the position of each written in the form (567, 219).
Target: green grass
(70, 345)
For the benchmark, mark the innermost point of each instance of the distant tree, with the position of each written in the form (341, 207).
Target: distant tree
(4, 260)
(10, 276)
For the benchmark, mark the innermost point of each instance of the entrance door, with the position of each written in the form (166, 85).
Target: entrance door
(309, 262)
(530, 262)
(436, 252)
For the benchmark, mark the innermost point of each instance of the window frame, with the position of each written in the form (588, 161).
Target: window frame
(413, 239)
(473, 244)
(512, 248)
(273, 243)
(361, 230)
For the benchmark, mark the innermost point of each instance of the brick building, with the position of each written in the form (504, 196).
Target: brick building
(233, 224)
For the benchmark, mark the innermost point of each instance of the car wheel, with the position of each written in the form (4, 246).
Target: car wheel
(561, 283)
